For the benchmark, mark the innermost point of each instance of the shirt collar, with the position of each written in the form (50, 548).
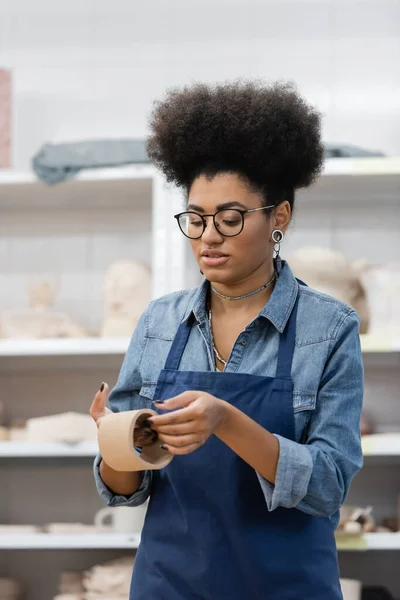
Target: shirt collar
(277, 309)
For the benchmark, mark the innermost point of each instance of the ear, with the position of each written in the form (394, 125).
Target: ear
(281, 216)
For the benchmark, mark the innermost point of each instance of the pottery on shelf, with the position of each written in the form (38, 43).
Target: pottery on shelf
(330, 272)
(127, 292)
(68, 427)
(39, 320)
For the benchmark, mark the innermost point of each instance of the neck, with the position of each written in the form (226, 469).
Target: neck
(250, 303)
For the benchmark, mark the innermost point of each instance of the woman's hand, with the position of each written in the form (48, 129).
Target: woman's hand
(98, 409)
(143, 434)
(123, 483)
(183, 431)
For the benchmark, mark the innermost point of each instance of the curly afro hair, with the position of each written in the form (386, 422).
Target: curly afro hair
(267, 134)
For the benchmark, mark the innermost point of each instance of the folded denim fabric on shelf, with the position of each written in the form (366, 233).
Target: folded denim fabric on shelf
(55, 163)
(349, 151)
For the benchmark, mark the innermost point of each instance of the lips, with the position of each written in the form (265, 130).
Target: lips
(213, 254)
(213, 258)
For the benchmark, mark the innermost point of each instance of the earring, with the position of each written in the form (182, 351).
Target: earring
(277, 238)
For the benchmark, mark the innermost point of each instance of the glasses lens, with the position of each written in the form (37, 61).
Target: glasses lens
(191, 225)
(229, 222)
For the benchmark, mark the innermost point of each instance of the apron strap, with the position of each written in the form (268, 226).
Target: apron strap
(287, 345)
(177, 347)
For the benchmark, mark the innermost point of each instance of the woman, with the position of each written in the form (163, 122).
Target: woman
(266, 372)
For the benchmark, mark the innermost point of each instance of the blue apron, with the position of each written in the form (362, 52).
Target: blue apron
(208, 533)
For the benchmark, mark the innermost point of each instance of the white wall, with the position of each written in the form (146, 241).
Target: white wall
(85, 69)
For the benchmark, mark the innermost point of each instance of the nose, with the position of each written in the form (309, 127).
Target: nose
(211, 234)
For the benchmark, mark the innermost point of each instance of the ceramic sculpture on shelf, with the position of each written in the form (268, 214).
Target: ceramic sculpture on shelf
(69, 427)
(330, 272)
(110, 580)
(127, 292)
(39, 320)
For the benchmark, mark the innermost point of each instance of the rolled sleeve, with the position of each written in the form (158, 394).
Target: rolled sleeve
(315, 476)
(111, 499)
(293, 474)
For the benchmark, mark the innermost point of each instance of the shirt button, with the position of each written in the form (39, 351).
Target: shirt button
(243, 342)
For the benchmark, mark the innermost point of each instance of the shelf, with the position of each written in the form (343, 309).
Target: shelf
(367, 179)
(118, 346)
(45, 541)
(362, 167)
(384, 444)
(92, 188)
(379, 343)
(62, 354)
(87, 541)
(64, 347)
(375, 446)
(368, 542)
(15, 449)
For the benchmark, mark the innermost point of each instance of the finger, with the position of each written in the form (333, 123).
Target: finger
(172, 418)
(180, 429)
(181, 441)
(180, 451)
(98, 407)
(180, 401)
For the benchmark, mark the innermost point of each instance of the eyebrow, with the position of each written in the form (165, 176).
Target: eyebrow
(232, 204)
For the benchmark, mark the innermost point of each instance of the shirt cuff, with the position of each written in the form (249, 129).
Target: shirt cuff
(111, 499)
(293, 475)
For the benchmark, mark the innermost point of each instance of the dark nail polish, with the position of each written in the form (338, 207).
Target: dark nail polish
(102, 387)
(146, 423)
(164, 447)
(158, 401)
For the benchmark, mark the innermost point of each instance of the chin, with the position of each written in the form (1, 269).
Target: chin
(216, 275)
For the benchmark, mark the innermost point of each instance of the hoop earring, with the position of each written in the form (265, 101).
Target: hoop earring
(277, 238)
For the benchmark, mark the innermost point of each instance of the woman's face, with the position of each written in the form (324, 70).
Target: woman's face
(246, 256)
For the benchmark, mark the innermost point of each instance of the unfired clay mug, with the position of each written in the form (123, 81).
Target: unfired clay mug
(351, 589)
(121, 519)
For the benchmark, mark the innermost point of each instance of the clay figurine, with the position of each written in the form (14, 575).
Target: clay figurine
(39, 320)
(127, 292)
(330, 272)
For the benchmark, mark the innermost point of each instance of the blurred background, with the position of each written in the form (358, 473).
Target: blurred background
(87, 238)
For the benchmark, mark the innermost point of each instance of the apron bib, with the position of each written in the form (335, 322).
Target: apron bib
(208, 533)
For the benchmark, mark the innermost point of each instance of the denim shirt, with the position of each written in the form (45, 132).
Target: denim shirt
(314, 472)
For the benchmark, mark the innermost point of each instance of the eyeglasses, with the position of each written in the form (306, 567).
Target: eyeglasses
(228, 222)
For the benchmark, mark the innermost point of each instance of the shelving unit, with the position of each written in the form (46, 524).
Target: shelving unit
(351, 179)
(371, 542)
(118, 213)
(382, 446)
(118, 346)
(46, 541)
(63, 347)
(87, 541)
(15, 449)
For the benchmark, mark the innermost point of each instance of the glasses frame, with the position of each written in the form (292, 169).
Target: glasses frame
(213, 215)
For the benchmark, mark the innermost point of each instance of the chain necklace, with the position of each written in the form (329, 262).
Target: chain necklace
(217, 354)
(263, 287)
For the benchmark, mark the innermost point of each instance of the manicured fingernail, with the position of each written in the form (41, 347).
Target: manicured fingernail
(147, 423)
(158, 401)
(102, 386)
(164, 447)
